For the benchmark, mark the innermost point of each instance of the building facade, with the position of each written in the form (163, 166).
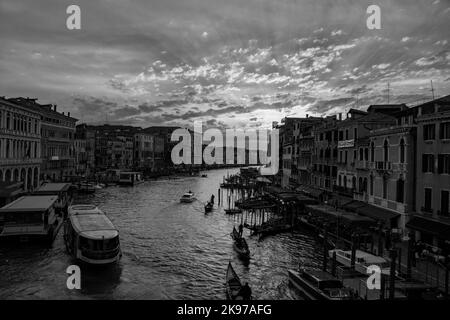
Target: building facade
(20, 144)
(431, 223)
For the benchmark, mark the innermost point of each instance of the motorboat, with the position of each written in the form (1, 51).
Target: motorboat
(188, 197)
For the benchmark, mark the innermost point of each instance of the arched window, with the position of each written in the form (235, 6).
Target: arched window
(386, 151)
(345, 182)
(354, 183)
(366, 154)
(402, 151)
(385, 187)
(360, 184)
(361, 154)
(372, 151)
(365, 185)
(339, 181)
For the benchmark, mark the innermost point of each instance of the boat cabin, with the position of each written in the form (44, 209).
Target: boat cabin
(30, 216)
(64, 191)
(90, 236)
(130, 178)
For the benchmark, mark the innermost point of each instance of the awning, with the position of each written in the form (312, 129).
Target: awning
(377, 213)
(437, 228)
(313, 192)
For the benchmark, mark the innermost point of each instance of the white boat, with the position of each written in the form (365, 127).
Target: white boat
(90, 236)
(362, 260)
(30, 217)
(188, 197)
(319, 285)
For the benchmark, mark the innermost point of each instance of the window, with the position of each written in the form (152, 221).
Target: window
(346, 134)
(444, 163)
(366, 154)
(427, 204)
(427, 163)
(385, 187)
(402, 151)
(341, 135)
(429, 131)
(355, 153)
(361, 154)
(339, 181)
(400, 190)
(355, 133)
(345, 160)
(386, 151)
(444, 130)
(354, 183)
(345, 182)
(444, 202)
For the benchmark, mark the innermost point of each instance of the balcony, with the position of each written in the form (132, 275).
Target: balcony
(383, 166)
(346, 144)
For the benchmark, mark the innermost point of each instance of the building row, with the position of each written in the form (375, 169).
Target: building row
(39, 143)
(389, 162)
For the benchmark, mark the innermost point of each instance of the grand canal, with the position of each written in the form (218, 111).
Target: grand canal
(170, 250)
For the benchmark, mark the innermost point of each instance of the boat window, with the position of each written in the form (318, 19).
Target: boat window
(99, 245)
(25, 218)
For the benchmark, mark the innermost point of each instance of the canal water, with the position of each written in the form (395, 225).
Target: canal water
(170, 250)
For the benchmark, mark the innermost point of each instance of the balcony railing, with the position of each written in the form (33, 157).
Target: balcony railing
(383, 165)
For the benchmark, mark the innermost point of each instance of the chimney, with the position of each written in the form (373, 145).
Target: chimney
(68, 114)
(307, 116)
(54, 107)
(340, 116)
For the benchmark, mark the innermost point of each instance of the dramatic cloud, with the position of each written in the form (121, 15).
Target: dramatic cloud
(227, 62)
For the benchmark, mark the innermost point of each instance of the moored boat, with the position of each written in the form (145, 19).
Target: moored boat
(130, 178)
(30, 217)
(233, 285)
(319, 285)
(362, 260)
(233, 211)
(90, 236)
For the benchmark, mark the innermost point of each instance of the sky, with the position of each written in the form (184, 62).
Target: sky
(228, 63)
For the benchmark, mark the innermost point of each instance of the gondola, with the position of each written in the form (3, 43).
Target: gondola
(208, 207)
(240, 244)
(241, 247)
(233, 211)
(233, 284)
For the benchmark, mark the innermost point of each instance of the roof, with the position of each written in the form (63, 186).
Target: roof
(30, 204)
(370, 211)
(438, 228)
(53, 187)
(320, 275)
(91, 222)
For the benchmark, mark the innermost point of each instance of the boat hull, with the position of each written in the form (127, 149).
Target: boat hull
(307, 289)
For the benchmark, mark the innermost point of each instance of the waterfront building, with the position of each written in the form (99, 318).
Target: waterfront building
(148, 151)
(353, 150)
(85, 149)
(20, 148)
(57, 140)
(431, 223)
(114, 146)
(324, 158)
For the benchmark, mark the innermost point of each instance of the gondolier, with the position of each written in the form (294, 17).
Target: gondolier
(241, 230)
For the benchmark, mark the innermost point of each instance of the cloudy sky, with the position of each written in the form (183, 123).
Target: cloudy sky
(225, 62)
